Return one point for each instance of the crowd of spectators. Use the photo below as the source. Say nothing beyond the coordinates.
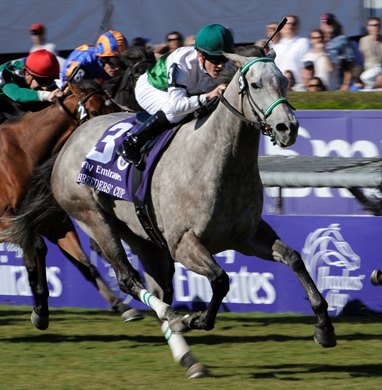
(327, 56)
(328, 60)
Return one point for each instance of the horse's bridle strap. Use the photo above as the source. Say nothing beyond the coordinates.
(262, 125)
(233, 109)
(83, 101)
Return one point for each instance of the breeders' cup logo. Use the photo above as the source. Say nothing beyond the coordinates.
(332, 264)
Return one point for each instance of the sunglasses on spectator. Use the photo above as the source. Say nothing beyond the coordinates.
(315, 86)
(373, 24)
(316, 37)
(216, 60)
(36, 32)
(173, 39)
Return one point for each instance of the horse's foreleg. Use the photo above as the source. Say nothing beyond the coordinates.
(159, 273)
(195, 256)
(182, 354)
(34, 259)
(269, 246)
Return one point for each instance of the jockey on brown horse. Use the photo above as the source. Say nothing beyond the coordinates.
(28, 84)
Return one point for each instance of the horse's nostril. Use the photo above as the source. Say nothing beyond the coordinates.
(281, 127)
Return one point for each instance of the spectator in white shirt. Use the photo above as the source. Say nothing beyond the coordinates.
(323, 68)
(291, 48)
(370, 46)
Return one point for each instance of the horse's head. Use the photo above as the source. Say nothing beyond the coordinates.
(87, 99)
(84, 101)
(262, 90)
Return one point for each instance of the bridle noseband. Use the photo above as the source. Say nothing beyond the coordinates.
(81, 107)
(261, 123)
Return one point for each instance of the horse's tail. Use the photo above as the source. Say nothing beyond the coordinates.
(37, 208)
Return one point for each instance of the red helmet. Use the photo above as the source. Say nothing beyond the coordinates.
(43, 64)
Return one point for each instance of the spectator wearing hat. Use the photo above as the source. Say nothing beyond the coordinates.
(370, 46)
(291, 48)
(38, 36)
(339, 50)
(317, 55)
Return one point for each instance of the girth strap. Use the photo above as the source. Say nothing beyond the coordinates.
(145, 213)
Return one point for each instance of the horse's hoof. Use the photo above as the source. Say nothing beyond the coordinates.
(326, 339)
(177, 324)
(132, 315)
(197, 370)
(39, 322)
(198, 321)
(376, 278)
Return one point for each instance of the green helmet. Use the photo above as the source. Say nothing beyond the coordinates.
(214, 39)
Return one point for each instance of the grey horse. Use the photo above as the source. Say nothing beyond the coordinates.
(207, 197)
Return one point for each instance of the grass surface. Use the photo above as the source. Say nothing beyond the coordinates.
(91, 349)
(336, 100)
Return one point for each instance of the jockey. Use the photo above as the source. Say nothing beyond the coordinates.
(178, 84)
(99, 62)
(29, 80)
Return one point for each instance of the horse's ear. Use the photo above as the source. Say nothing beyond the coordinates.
(271, 54)
(237, 59)
(74, 88)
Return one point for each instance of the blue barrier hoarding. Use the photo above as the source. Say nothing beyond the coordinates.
(324, 133)
(340, 252)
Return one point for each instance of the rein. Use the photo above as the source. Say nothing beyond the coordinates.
(81, 107)
(261, 123)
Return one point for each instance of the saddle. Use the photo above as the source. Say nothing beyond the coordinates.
(105, 171)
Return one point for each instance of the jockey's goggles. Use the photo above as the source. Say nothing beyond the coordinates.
(216, 60)
(44, 82)
(113, 62)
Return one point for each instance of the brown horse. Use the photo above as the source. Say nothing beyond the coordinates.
(25, 143)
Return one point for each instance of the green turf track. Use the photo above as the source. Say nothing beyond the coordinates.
(92, 349)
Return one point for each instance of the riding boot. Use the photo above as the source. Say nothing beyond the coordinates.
(130, 149)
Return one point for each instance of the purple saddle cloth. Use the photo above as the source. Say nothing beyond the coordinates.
(103, 170)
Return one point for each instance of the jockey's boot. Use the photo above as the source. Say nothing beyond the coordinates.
(130, 149)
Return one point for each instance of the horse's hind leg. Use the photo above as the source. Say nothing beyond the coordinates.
(70, 245)
(268, 246)
(34, 260)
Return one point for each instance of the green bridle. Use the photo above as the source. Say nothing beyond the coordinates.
(256, 110)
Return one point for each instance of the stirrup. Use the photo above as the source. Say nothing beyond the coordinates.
(131, 153)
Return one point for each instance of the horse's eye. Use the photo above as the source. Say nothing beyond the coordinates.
(255, 86)
(94, 113)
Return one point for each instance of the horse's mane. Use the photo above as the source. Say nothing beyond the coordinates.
(135, 54)
(228, 72)
(89, 84)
